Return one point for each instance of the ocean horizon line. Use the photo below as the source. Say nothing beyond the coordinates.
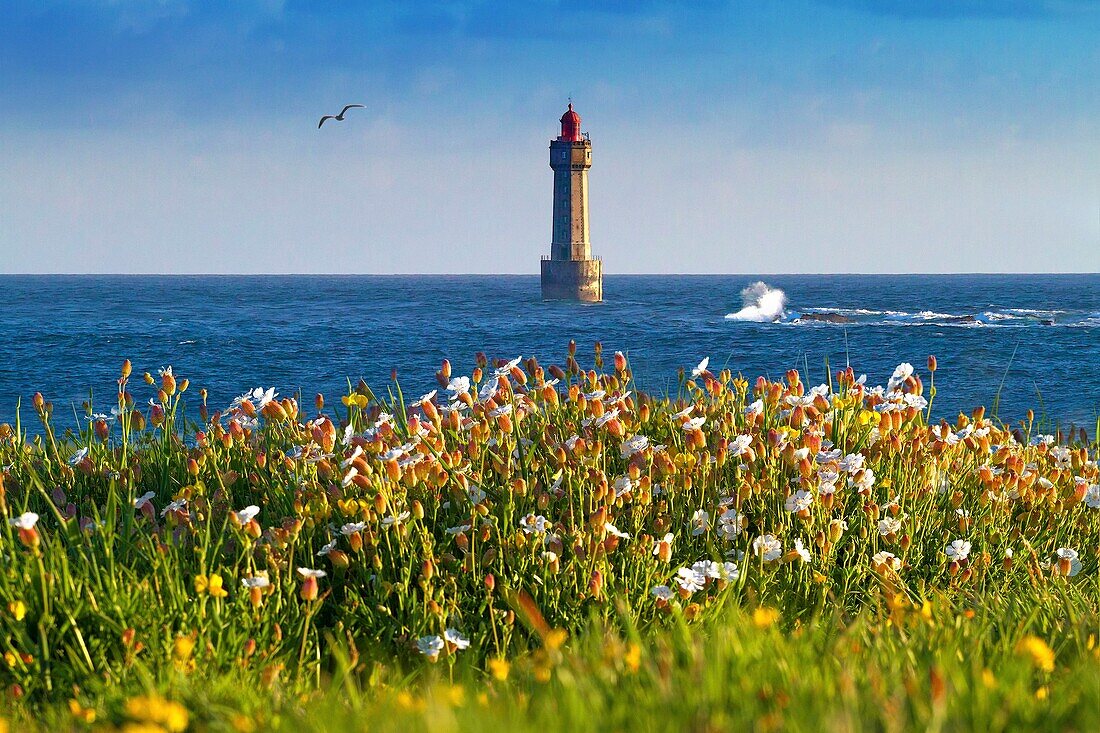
(535, 274)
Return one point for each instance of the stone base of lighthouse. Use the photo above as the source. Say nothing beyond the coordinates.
(572, 280)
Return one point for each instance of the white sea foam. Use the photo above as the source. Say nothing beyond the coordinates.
(761, 304)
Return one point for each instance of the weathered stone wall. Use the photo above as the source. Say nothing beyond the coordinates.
(571, 273)
(572, 280)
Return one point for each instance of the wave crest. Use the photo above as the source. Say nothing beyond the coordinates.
(760, 304)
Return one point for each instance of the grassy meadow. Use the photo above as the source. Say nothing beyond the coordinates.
(546, 549)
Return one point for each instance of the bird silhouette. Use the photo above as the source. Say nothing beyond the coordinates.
(339, 117)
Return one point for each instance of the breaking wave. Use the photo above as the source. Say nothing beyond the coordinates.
(760, 304)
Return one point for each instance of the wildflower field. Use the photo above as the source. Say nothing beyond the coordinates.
(533, 548)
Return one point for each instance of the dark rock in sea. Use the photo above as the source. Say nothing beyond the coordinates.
(823, 318)
(1047, 321)
(961, 319)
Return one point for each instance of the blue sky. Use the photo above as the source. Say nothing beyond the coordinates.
(729, 136)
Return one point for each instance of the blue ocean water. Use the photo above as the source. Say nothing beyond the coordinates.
(64, 335)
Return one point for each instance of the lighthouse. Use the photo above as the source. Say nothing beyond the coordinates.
(571, 272)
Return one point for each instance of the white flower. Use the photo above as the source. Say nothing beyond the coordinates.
(1063, 553)
(662, 593)
(455, 637)
(458, 529)
(430, 646)
(613, 530)
(903, 372)
(175, 506)
(729, 571)
(756, 408)
(623, 486)
(958, 550)
(1092, 497)
(607, 417)
(767, 547)
(740, 445)
(684, 412)
(690, 580)
(459, 385)
(311, 573)
(504, 409)
(256, 581)
(701, 367)
(427, 397)
(246, 515)
(666, 540)
(24, 521)
(630, 446)
(533, 523)
(852, 462)
(327, 549)
(144, 499)
(507, 368)
(886, 559)
(694, 423)
(78, 456)
(352, 527)
(799, 501)
(476, 494)
(488, 390)
(888, 526)
(700, 522)
(358, 451)
(803, 552)
(863, 480)
(729, 524)
(391, 521)
(706, 568)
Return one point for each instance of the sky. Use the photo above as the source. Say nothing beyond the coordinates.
(729, 136)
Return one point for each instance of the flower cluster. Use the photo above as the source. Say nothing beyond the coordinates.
(510, 502)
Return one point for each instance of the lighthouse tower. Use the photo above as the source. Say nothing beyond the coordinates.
(571, 273)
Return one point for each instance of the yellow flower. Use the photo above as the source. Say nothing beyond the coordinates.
(499, 669)
(183, 647)
(456, 696)
(17, 609)
(633, 657)
(155, 709)
(211, 585)
(1037, 650)
(763, 617)
(358, 400)
(243, 724)
(555, 638)
(86, 715)
(216, 590)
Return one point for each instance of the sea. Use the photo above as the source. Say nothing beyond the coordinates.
(1013, 341)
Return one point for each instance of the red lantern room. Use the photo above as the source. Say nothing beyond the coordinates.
(570, 126)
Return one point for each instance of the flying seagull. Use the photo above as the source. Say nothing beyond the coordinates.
(339, 117)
